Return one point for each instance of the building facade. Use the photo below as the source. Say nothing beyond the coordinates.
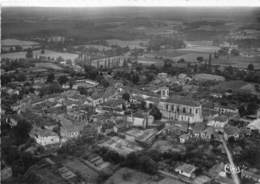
(179, 108)
(105, 62)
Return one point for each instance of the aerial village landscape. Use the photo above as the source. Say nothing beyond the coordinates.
(130, 96)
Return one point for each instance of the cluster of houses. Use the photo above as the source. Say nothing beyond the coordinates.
(58, 118)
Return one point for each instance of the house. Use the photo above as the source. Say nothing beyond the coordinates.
(183, 79)
(56, 39)
(162, 76)
(254, 125)
(84, 83)
(197, 129)
(226, 110)
(103, 62)
(179, 108)
(184, 138)
(69, 128)
(44, 137)
(114, 105)
(107, 127)
(101, 95)
(231, 131)
(140, 119)
(252, 174)
(218, 122)
(186, 170)
(208, 133)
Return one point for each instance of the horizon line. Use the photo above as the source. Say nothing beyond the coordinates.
(129, 6)
(130, 3)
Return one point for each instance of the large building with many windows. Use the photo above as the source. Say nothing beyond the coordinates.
(103, 62)
(179, 108)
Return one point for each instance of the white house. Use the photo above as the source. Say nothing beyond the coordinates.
(184, 138)
(218, 122)
(44, 137)
(140, 120)
(186, 170)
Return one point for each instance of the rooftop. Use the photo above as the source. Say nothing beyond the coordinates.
(181, 100)
(187, 168)
(221, 118)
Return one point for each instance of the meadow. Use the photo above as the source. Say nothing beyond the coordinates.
(37, 53)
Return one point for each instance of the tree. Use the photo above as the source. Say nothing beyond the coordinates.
(234, 52)
(252, 108)
(200, 59)
(43, 50)
(22, 130)
(5, 79)
(139, 67)
(20, 77)
(50, 89)
(63, 79)
(91, 72)
(126, 97)
(50, 78)
(250, 67)
(242, 111)
(181, 60)
(29, 53)
(135, 78)
(148, 165)
(155, 112)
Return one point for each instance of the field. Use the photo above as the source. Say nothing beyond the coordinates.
(48, 66)
(191, 57)
(98, 47)
(149, 61)
(238, 61)
(236, 86)
(131, 44)
(12, 42)
(37, 53)
(191, 54)
(200, 46)
(206, 49)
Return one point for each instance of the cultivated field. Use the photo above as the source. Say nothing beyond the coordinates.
(237, 61)
(37, 53)
(15, 42)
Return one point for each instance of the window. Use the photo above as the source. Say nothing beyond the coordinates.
(184, 110)
(166, 107)
(197, 111)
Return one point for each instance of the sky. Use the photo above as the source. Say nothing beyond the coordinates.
(141, 3)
